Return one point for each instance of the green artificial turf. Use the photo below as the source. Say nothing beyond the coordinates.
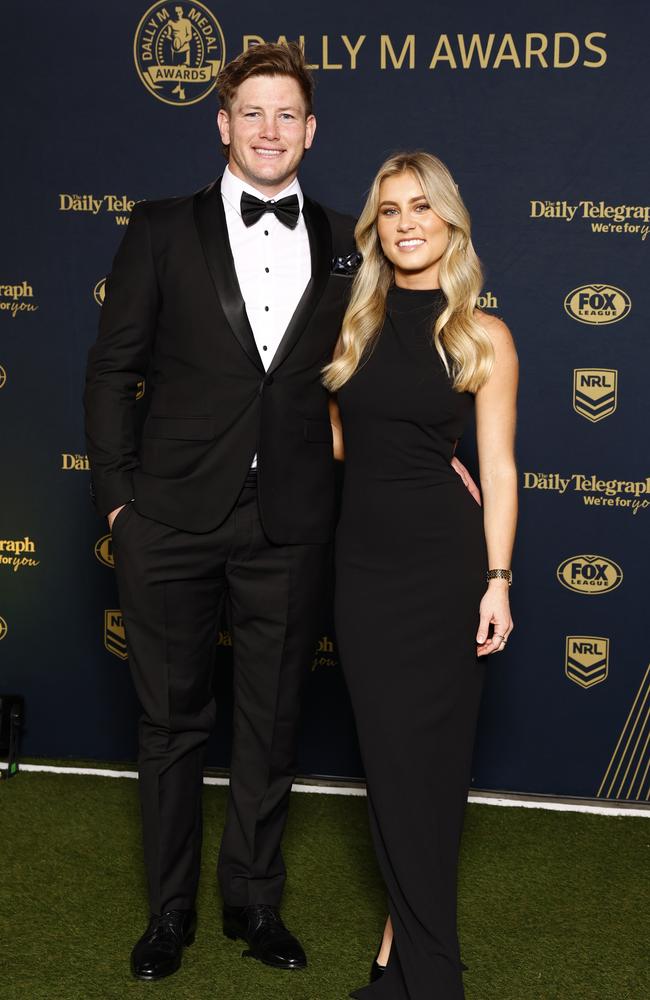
(553, 906)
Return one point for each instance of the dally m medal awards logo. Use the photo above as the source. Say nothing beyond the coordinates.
(179, 49)
(594, 392)
(4, 628)
(598, 305)
(3, 377)
(589, 574)
(587, 659)
(114, 634)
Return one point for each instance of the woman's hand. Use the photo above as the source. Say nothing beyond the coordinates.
(494, 611)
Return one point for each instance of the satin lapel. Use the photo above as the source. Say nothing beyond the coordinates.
(210, 220)
(320, 245)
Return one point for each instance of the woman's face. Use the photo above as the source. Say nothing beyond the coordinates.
(412, 236)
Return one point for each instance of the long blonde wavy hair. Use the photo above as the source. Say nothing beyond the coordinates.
(460, 340)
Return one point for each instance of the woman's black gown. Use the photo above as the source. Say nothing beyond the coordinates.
(411, 564)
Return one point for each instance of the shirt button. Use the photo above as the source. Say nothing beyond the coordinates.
(266, 232)
(266, 269)
(264, 347)
(266, 308)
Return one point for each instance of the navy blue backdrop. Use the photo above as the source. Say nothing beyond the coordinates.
(539, 110)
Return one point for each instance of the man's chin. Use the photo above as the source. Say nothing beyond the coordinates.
(274, 175)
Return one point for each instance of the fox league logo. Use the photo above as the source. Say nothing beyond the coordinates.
(589, 574)
(597, 305)
(104, 551)
(179, 50)
(99, 292)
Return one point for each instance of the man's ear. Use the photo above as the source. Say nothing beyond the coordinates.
(310, 130)
(223, 124)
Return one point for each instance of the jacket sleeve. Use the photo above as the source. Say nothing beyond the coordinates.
(117, 361)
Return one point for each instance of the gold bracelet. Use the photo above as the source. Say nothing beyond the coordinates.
(500, 574)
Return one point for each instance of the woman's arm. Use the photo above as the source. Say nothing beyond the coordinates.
(337, 429)
(495, 435)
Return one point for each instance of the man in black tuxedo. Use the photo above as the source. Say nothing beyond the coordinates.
(228, 303)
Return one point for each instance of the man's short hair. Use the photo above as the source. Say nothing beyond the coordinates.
(269, 59)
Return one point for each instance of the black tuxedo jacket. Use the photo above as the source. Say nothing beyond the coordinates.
(174, 315)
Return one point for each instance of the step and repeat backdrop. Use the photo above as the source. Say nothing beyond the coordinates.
(540, 112)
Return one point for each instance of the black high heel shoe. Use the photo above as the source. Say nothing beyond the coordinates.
(377, 970)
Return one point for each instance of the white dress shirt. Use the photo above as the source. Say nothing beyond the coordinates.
(272, 262)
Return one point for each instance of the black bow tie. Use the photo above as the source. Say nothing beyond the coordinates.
(287, 210)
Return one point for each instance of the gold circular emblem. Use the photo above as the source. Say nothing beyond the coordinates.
(99, 291)
(104, 551)
(4, 628)
(590, 574)
(598, 305)
(3, 377)
(179, 49)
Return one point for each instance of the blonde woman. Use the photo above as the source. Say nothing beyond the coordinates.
(422, 571)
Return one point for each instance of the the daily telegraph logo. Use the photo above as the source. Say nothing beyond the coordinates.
(179, 50)
(74, 462)
(325, 653)
(117, 205)
(595, 392)
(632, 495)
(114, 633)
(586, 660)
(104, 551)
(601, 217)
(18, 553)
(487, 300)
(590, 574)
(17, 298)
(597, 305)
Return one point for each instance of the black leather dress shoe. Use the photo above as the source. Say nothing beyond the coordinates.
(268, 939)
(159, 951)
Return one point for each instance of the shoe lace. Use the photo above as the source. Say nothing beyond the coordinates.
(169, 923)
(263, 913)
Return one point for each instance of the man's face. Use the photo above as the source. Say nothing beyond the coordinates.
(267, 132)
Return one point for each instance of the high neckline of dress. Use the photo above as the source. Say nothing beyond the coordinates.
(406, 299)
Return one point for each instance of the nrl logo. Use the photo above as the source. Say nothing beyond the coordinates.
(114, 634)
(587, 659)
(595, 392)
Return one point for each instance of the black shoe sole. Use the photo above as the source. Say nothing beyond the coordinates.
(235, 935)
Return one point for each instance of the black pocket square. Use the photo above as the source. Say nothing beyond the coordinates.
(347, 265)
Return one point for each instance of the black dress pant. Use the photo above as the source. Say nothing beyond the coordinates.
(172, 585)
